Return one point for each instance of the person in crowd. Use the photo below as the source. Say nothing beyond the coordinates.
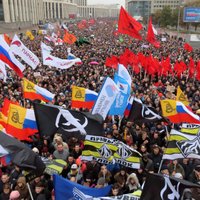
(132, 183)
(174, 167)
(22, 188)
(6, 192)
(60, 152)
(105, 174)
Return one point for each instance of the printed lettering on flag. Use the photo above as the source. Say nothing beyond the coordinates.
(18, 48)
(110, 151)
(105, 98)
(58, 62)
(119, 105)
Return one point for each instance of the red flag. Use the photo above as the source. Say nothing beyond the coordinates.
(128, 25)
(187, 47)
(112, 62)
(151, 36)
(69, 38)
(91, 21)
(82, 24)
(191, 68)
(126, 58)
(198, 71)
(166, 67)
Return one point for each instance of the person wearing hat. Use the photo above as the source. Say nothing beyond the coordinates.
(75, 171)
(14, 195)
(164, 170)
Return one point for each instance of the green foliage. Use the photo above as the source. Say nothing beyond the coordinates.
(166, 16)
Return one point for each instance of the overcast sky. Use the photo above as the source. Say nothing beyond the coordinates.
(122, 2)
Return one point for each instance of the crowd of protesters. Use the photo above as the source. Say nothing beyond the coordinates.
(149, 139)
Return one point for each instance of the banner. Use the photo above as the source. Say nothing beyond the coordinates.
(18, 48)
(58, 62)
(110, 151)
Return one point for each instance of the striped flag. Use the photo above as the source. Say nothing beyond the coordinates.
(182, 145)
(110, 151)
(33, 91)
(83, 98)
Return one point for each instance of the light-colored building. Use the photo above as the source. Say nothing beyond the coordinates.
(34, 11)
(59, 9)
(160, 4)
(21, 11)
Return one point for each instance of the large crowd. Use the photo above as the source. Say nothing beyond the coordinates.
(149, 139)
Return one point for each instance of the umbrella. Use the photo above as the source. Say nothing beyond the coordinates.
(94, 63)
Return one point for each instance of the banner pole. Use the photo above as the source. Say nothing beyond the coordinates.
(160, 166)
(29, 189)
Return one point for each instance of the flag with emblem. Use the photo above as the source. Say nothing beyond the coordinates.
(65, 189)
(166, 187)
(83, 98)
(128, 25)
(182, 145)
(177, 112)
(33, 91)
(21, 122)
(106, 97)
(140, 113)
(54, 119)
(119, 105)
(110, 151)
(180, 96)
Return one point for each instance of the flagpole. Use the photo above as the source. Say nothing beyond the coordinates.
(160, 166)
(29, 189)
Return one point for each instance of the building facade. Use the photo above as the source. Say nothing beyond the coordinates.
(22, 11)
(34, 11)
(144, 7)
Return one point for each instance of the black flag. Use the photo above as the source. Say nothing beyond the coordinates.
(51, 119)
(142, 113)
(162, 187)
(21, 155)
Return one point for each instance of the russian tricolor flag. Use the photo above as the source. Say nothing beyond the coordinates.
(185, 115)
(128, 108)
(33, 92)
(9, 59)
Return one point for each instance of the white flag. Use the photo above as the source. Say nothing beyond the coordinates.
(18, 48)
(3, 74)
(154, 30)
(106, 98)
(58, 62)
(44, 47)
(123, 73)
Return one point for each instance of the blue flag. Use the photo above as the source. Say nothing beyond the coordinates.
(121, 101)
(65, 189)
